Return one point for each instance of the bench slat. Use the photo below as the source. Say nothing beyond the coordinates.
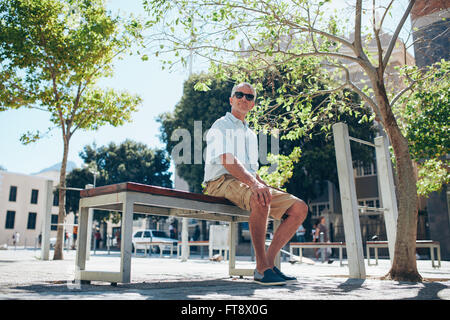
(417, 242)
(318, 243)
(143, 188)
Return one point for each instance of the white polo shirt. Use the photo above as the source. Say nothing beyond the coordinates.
(228, 134)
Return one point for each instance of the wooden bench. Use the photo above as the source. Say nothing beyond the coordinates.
(129, 198)
(419, 244)
(191, 243)
(304, 245)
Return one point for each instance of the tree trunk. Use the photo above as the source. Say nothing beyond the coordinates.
(58, 253)
(404, 266)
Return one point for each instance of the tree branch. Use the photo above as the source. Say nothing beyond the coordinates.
(351, 85)
(376, 32)
(385, 13)
(410, 86)
(358, 40)
(396, 33)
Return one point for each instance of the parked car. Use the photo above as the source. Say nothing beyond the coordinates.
(140, 237)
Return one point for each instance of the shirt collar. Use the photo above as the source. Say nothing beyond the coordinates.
(230, 116)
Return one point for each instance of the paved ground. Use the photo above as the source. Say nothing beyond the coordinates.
(24, 276)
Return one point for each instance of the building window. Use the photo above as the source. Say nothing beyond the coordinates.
(55, 199)
(10, 217)
(317, 208)
(31, 220)
(371, 203)
(12, 193)
(366, 170)
(34, 196)
(54, 225)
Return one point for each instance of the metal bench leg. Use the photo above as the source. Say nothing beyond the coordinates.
(432, 256)
(438, 248)
(127, 229)
(232, 241)
(276, 224)
(82, 240)
(232, 247)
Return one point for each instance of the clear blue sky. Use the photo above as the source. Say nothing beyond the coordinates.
(160, 90)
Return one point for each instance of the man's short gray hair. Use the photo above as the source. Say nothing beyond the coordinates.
(243, 84)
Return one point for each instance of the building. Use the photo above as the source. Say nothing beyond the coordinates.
(22, 206)
(431, 25)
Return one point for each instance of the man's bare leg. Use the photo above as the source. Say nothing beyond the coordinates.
(296, 215)
(258, 228)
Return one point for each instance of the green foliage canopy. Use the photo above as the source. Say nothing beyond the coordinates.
(424, 117)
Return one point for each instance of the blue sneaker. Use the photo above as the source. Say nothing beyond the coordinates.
(269, 278)
(283, 276)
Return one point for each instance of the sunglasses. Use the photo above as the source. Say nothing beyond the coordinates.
(248, 96)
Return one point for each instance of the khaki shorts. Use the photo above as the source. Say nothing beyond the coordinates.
(239, 193)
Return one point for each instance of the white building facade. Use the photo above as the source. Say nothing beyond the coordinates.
(23, 206)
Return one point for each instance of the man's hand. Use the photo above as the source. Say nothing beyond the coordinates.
(257, 186)
(262, 193)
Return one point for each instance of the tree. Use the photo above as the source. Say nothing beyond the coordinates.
(128, 162)
(275, 32)
(52, 54)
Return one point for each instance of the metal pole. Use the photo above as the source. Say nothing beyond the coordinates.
(387, 188)
(184, 239)
(45, 240)
(350, 215)
(89, 227)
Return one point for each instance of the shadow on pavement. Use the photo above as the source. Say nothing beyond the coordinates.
(174, 290)
(429, 291)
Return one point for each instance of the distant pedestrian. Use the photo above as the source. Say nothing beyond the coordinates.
(172, 231)
(16, 238)
(75, 232)
(118, 238)
(301, 233)
(321, 235)
(98, 239)
(196, 233)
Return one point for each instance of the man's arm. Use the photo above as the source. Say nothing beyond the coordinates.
(237, 170)
(261, 180)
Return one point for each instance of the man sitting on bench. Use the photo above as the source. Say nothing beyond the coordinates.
(230, 171)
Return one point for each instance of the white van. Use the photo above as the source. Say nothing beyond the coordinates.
(140, 237)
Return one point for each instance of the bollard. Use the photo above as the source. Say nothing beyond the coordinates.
(323, 250)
